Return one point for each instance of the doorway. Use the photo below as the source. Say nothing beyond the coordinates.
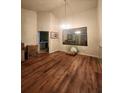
(43, 41)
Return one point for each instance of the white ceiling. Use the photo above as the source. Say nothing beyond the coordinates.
(41, 5)
(75, 7)
(57, 6)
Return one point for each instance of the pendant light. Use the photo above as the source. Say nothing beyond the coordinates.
(65, 25)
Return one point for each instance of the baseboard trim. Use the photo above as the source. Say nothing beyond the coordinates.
(78, 53)
(53, 51)
(86, 54)
(89, 55)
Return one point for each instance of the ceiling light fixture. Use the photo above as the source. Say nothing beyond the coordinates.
(65, 25)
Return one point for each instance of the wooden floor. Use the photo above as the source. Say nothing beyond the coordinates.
(61, 73)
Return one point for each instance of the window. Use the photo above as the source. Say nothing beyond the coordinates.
(75, 36)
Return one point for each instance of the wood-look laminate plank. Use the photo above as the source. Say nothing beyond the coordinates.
(38, 63)
(47, 76)
(61, 73)
(39, 71)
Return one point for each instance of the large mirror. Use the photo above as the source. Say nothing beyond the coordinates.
(75, 36)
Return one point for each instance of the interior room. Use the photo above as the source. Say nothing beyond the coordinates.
(43, 41)
(61, 46)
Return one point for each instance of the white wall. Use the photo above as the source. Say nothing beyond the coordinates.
(99, 11)
(32, 22)
(48, 22)
(89, 19)
(54, 43)
(28, 27)
(43, 21)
